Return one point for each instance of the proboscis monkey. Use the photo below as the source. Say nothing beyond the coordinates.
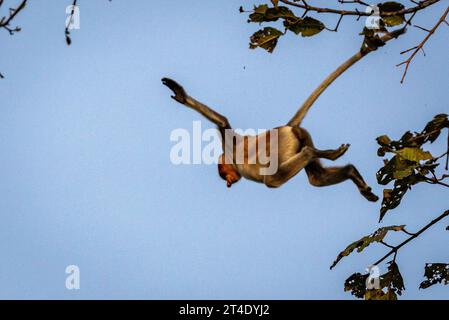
(294, 151)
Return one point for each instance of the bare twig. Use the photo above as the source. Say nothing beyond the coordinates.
(422, 28)
(338, 24)
(395, 249)
(354, 1)
(419, 47)
(386, 244)
(436, 181)
(447, 156)
(70, 21)
(406, 232)
(5, 21)
(303, 5)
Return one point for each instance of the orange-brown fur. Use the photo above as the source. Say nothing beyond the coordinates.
(294, 151)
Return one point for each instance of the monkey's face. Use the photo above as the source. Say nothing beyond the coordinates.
(228, 173)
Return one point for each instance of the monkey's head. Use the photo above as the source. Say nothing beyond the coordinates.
(227, 172)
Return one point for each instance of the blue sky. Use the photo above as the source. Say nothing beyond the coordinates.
(86, 177)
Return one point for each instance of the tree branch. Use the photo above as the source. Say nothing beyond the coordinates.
(67, 30)
(5, 21)
(421, 45)
(421, 5)
(413, 236)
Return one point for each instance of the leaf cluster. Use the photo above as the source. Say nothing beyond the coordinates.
(410, 163)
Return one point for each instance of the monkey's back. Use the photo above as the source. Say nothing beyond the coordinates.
(278, 144)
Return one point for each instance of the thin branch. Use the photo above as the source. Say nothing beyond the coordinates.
(436, 181)
(443, 155)
(422, 28)
(390, 283)
(386, 244)
(67, 30)
(408, 50)
(354, 1)
(421, 45)
(406, 232)
(447, 156)
(338, 24)
(417, 234)
(421, 5)
(5, 21)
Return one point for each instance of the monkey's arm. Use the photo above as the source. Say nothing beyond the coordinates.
(182, 97)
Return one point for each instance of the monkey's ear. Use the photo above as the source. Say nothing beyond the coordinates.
(180, 94)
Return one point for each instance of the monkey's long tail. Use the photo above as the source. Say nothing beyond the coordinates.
(301, 113)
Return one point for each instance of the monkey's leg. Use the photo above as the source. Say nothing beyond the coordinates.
(332, 154)
(320, 176)
(288, 169)
(306, 140)
(182, 97)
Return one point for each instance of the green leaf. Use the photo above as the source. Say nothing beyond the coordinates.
(307, 26)
(391, 6)
(263, 13)
(258, 14)
(434, 127)
(394, 169)
(410, 164)
(364, 242)
(414, 154)
(266, 38)
(383, 140)
(393, 279)
(435, 273)
(371, 40)
(377, 294)
(394, 20)
(391, 284)
(403, 169)
(392, 199)
(356, 284)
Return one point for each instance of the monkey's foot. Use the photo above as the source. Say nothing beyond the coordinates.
(180, 94)
(339, 152)
(369, 195)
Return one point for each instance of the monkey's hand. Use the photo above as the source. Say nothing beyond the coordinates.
(369, 195)
(179, 92)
